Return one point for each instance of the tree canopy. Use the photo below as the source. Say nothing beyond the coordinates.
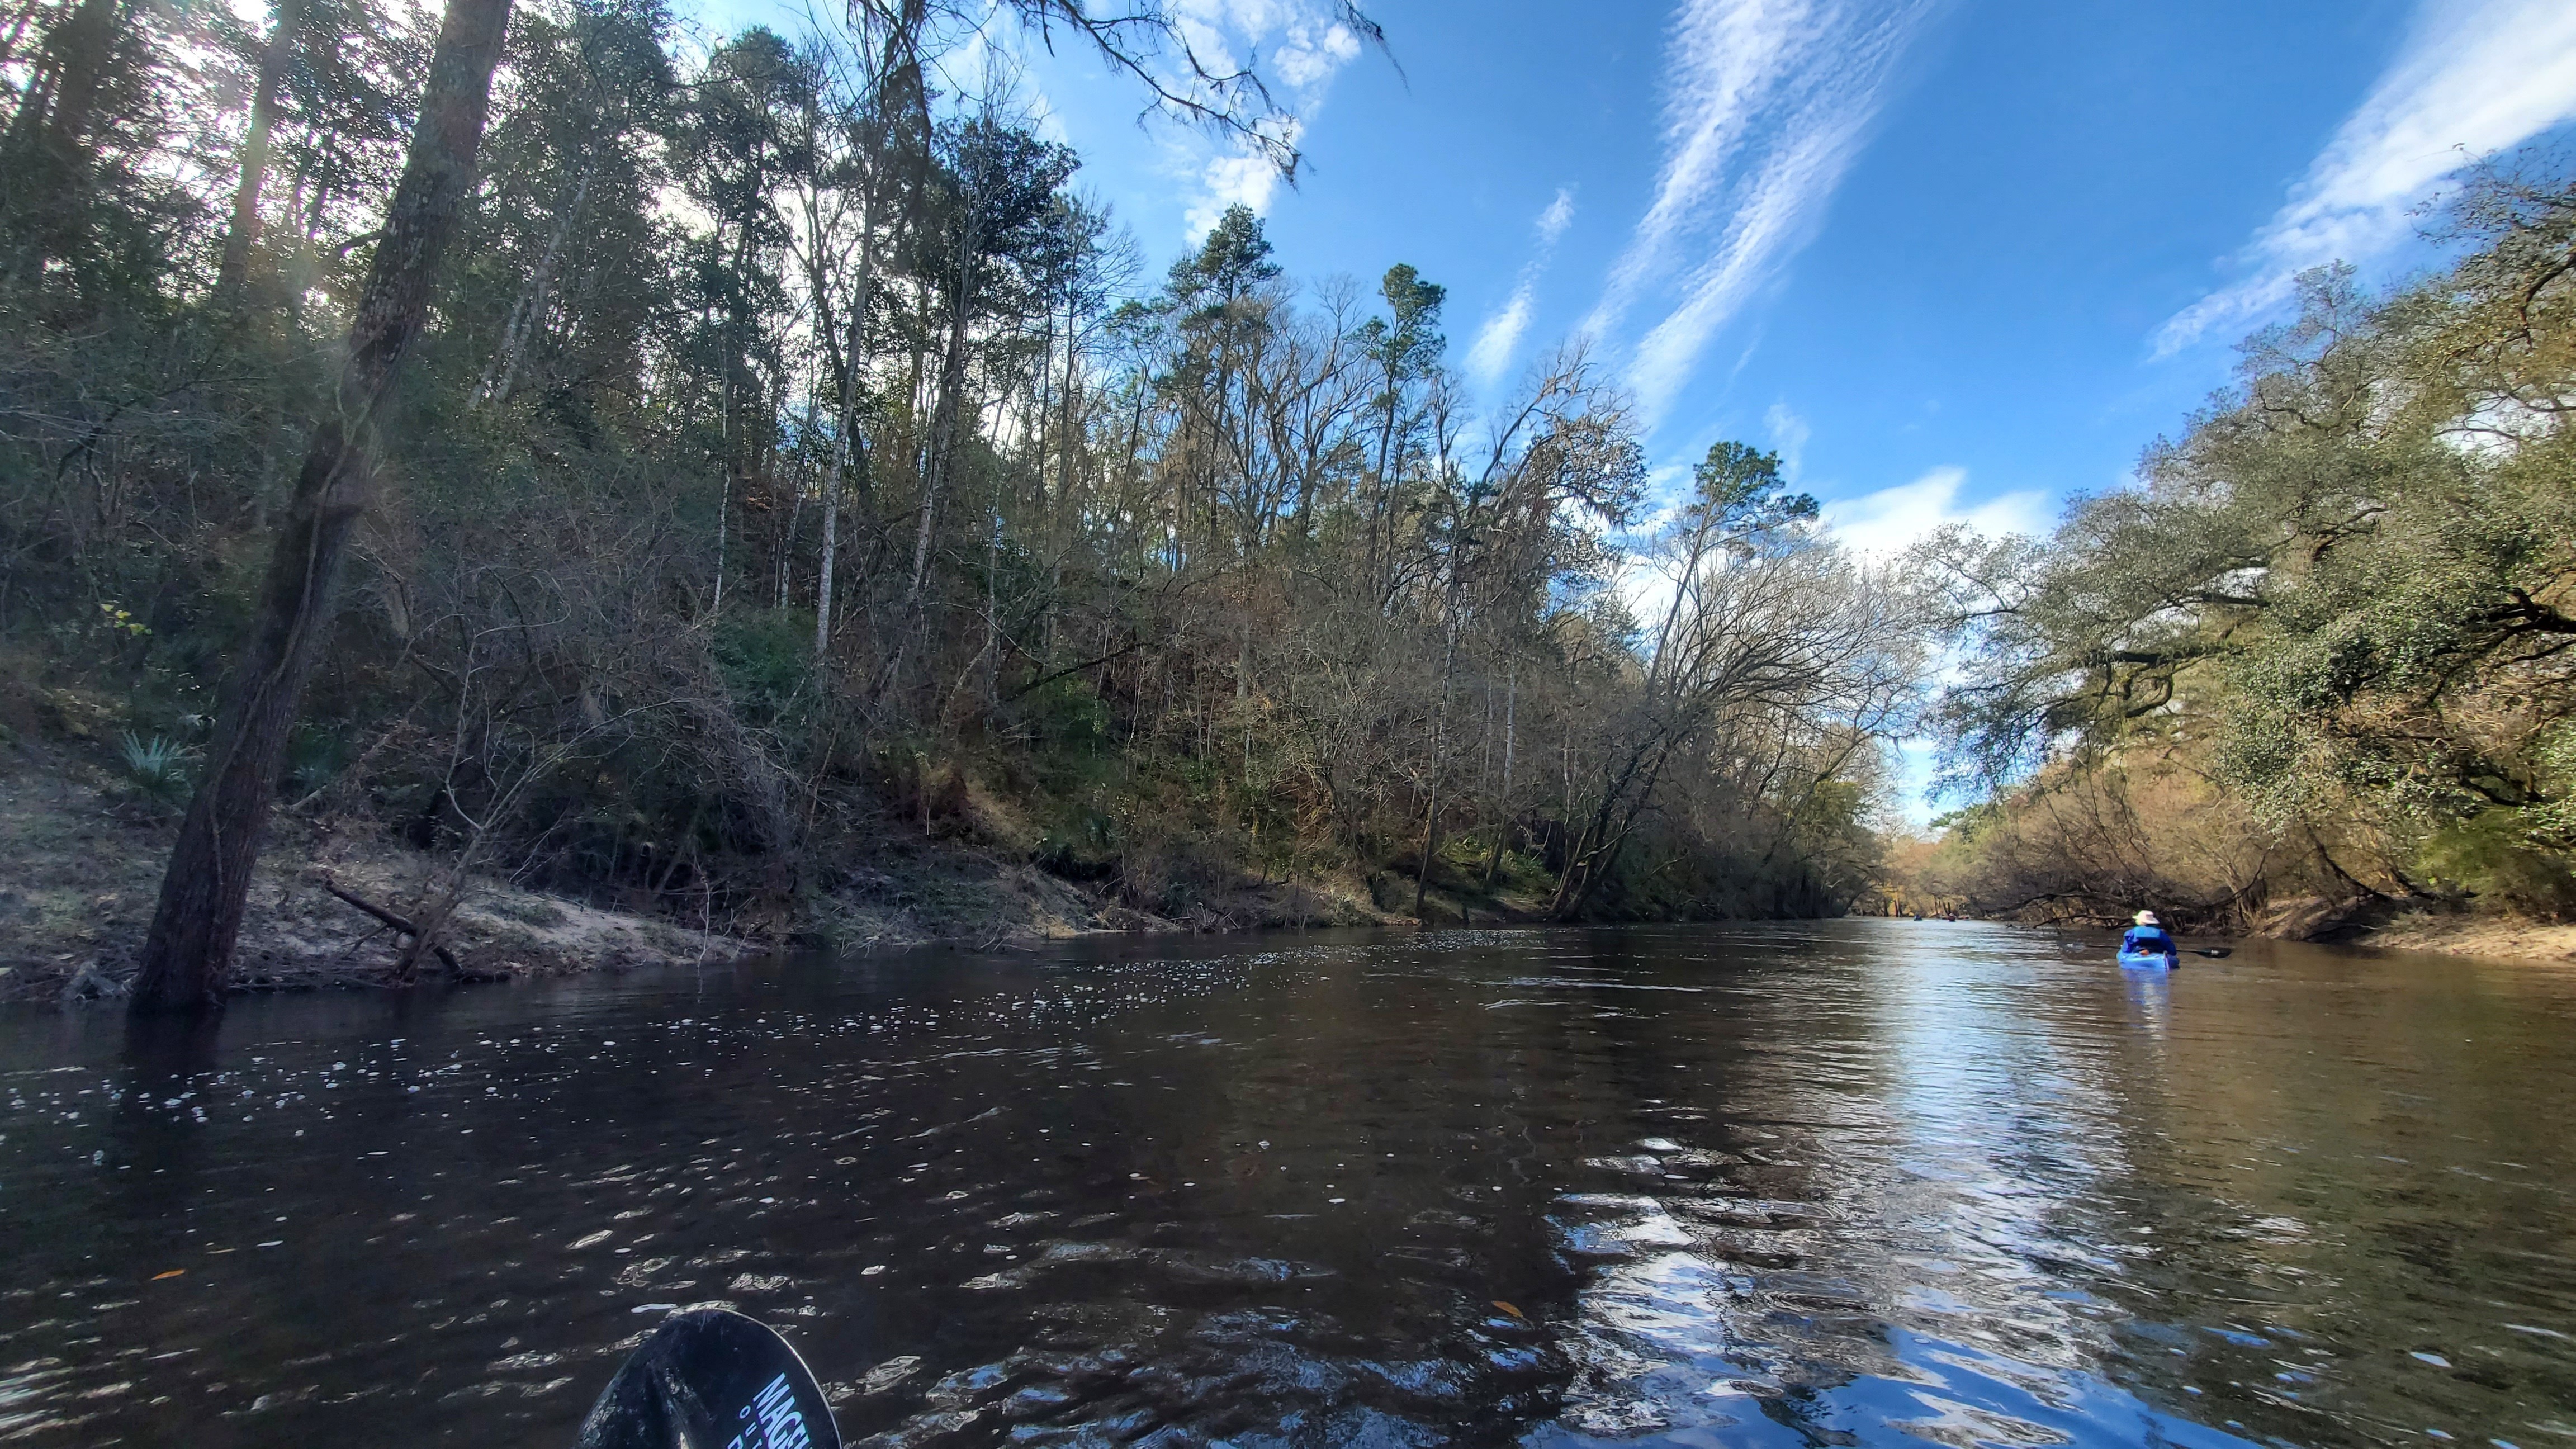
(2345, 597)
(794, 458)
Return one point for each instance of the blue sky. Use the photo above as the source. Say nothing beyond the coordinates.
(1954, 258)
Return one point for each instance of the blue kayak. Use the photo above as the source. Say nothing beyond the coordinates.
(2148, 961)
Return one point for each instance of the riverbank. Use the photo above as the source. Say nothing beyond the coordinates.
(2415, 926)
(82, 850)
(2471, 935)
(82, 864)
(953, 851)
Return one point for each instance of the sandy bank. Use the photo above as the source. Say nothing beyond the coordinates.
(81, 855)
(2410, 926)
(2470, 935)
(80, 868)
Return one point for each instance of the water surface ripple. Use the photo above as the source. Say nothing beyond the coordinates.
(1845, 1183)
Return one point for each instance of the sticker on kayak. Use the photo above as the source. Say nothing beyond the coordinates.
(711, 1379)
(777, 1423)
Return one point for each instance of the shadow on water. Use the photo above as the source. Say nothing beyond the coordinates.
(152, 1126)
(1852, 1182)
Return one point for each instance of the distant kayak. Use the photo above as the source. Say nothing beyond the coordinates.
(2148, 961)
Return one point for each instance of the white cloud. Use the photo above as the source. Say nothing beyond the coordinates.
(1768, 102)
(1891, 520)
(1724, 57)
(1558, 216)
(1308, 60)
(2475, 76)
(1502, 331)
(1789, 434)
(1300, 47)
(1883, 525)
(1230, 179)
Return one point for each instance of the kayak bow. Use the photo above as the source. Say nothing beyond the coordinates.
(710, 1379)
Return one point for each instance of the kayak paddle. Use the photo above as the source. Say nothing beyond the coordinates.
(711, 1379)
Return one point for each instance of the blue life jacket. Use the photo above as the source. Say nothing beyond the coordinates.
(2151, 939)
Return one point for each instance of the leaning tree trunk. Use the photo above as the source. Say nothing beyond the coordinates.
(208, 882)
(528, 311)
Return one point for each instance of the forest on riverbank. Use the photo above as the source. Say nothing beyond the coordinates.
(785, 475)
(749, 485)
(2317, 666)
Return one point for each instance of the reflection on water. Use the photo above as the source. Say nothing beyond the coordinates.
(1861, 1182)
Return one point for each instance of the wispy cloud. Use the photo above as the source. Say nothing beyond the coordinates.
(1767, 104)
(1558, 216)
(1789, 434)
(1301, 47)
(2474, 76)
(1501, 334)
(1891, 520)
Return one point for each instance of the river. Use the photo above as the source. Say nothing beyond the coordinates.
(1857, 1182)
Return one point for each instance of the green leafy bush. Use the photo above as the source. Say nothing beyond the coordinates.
(767, 662)
(2491, 856)
(1067, 714)
(314, 757)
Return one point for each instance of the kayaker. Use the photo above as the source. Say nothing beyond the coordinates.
(2148, 938)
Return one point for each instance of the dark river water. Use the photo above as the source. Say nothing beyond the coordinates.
(1846, 1183)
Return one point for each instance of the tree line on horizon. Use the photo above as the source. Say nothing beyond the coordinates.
(667, 472)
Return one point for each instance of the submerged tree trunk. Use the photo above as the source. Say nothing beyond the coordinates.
(207, 886)
(244, 234)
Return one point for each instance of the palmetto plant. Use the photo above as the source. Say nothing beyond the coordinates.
(159, 766)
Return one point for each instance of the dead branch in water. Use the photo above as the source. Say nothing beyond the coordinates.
(402, 926)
